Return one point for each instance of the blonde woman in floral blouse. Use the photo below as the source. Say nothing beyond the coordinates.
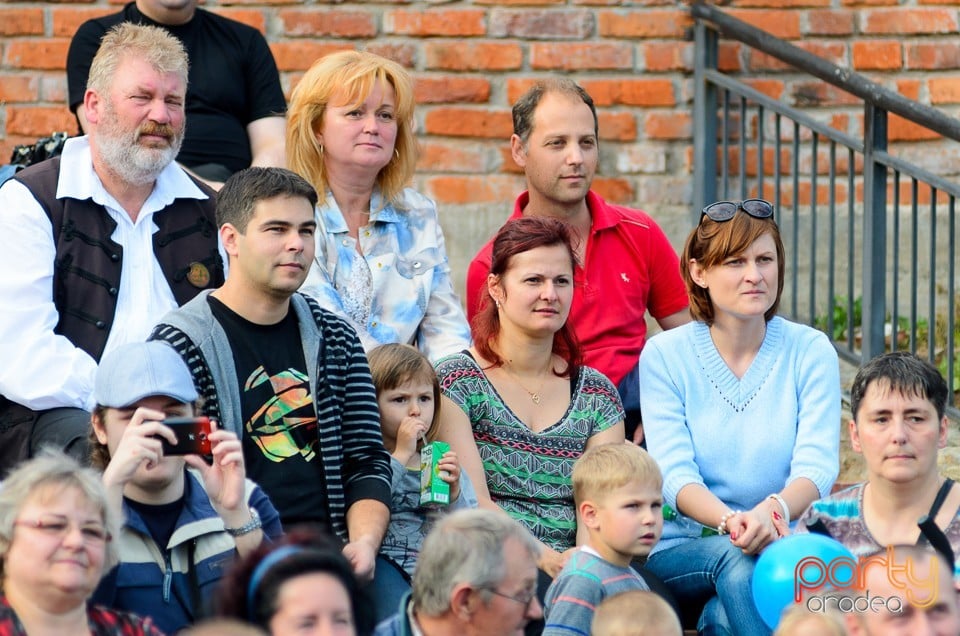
(381, 260)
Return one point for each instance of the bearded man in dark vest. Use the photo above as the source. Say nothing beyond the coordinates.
(96, 245)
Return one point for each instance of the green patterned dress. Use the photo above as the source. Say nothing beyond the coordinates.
(528, 473)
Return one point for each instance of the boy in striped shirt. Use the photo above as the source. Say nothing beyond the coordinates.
(617, 491)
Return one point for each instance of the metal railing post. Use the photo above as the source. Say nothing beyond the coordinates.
(704, 120)
(874, 232)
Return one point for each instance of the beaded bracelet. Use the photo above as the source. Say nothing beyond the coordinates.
(722, 527)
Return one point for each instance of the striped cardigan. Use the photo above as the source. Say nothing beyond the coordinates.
(356, 465)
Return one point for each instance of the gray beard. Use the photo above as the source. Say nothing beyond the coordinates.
(135, 164)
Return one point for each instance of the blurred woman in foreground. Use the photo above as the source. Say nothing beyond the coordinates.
(301, 585)
(55, 539)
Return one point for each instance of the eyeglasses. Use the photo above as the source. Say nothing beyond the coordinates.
(722, 211)
(59, 527)
(524, 598)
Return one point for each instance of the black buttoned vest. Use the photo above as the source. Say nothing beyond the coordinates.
(86, 278)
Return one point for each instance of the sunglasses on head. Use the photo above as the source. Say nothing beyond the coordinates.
(725, 210)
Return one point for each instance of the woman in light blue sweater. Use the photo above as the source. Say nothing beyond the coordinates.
(741, 409)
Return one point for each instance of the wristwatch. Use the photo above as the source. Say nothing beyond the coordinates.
(248, 527)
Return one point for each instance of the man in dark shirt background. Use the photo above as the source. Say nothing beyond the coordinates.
(234, 100)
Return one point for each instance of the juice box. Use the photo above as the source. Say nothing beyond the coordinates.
(433, 490)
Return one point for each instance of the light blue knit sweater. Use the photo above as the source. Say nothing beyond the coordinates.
(741, 438)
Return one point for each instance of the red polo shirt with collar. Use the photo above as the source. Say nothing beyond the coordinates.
(629, 268)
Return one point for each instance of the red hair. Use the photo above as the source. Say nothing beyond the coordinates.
(515, 237)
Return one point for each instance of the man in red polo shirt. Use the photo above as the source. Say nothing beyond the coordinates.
(628, 266)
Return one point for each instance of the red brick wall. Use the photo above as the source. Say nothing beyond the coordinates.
(472, 59)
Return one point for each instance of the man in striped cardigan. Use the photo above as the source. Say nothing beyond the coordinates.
(290, 378)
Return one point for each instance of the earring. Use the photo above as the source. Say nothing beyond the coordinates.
(396, 153)
(321, 151)
(496, 302)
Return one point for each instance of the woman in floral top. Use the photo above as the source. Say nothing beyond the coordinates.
(381, 261)
(520, 389)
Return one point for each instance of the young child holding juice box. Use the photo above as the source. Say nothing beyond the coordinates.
(408, 394)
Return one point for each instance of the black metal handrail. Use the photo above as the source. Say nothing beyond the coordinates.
(844, 78)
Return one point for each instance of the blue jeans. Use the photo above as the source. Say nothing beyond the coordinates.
(389, 585)
(712, 565)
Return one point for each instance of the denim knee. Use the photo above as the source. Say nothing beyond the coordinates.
(713, 620)
(734, 567)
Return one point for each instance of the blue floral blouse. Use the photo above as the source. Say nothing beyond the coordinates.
(399, 289)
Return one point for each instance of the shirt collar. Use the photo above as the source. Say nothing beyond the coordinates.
(81, 182)
(411, 617)
(382, 210)
(334, 221)
(601, 215)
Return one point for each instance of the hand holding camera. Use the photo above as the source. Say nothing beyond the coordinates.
(141, 444)
(150, 436)
(224, 476)
(215, 453)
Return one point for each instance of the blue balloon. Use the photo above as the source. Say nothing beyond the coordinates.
(776, 578)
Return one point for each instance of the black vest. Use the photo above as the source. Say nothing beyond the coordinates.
(86, 277)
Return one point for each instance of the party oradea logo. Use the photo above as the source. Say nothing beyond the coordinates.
(840, 583)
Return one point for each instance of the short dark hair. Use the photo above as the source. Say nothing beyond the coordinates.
(904, 373)
(242, 191)
(525, 107)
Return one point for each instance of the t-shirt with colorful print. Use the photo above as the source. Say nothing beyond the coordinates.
(279, 415)
(842, 515)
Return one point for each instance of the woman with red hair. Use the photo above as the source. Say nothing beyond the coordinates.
(532, 408)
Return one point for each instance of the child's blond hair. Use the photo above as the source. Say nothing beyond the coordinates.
(610, 466)
(635, 613)
(799, 620)
(393, 365)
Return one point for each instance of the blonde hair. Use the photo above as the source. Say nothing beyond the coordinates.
(352, 74)
(393, 365)
(635, 613)
(604, 468)
(797, 616)
(154, 45)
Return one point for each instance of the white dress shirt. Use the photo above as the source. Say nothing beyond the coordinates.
(38, 368)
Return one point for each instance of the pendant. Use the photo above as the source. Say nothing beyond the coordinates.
(535, 397)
